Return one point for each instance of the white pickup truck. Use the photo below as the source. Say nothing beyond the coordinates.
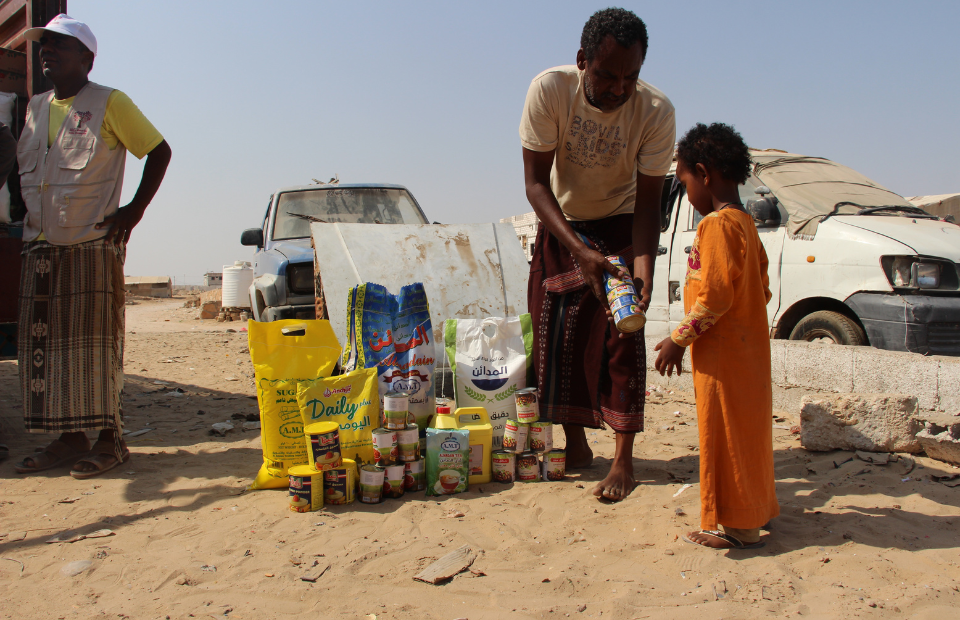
(850, 261)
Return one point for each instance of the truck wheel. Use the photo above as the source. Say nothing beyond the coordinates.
(829, 328)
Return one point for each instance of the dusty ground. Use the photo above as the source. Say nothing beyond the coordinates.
(858, 540)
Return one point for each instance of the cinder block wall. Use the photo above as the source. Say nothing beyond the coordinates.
(799, 368)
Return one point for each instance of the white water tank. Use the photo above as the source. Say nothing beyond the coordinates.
(237, 279)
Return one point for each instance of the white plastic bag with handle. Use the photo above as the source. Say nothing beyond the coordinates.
(491, 359)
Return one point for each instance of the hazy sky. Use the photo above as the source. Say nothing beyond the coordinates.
(253, 96)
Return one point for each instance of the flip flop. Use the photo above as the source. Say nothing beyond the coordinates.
(61, 451)
(735, 543)
(101, 448)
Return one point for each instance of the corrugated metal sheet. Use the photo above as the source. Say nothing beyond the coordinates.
(467, 270)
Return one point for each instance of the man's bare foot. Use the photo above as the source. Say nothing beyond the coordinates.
(579, 454)
(619, 483)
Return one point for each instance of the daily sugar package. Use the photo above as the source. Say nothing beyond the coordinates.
(283, 354)
(448, 461)
(349, 400)
(394, 334)
(491, 359)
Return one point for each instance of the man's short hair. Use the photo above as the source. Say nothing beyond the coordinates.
(717, 146)
(625, 27)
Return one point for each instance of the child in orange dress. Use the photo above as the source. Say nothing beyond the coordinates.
(725, 298)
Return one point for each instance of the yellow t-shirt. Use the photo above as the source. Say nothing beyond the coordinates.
(598, 154)
(123, 123)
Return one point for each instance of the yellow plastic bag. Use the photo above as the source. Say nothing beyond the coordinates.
(350, 400)
(284, 353)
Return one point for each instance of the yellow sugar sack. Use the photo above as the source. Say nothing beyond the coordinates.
(350, 400)
(283, 354)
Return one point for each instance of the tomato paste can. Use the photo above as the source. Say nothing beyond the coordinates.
(515, 436)
(554, 465)
(414, 476)
(541, 437)
(393, 481)
(385, 451)
(504, 466)
(340, 483)
(371, 484)
(408, 444)
(396, 408)
(528, 467)
(623, 299)
(323, 440)
(528, 409)
(306, 488)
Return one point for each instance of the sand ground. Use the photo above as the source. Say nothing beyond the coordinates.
(188, 542)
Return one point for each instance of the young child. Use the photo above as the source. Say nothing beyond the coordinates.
(725, 298)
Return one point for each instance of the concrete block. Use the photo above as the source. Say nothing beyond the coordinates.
(893, 372)
(210, 310)
(819, 366)
(869, 422)
(948, 385)
(941, 441)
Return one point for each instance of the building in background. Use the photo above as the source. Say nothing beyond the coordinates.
(526, 227)
(212, 278)
(149, 286)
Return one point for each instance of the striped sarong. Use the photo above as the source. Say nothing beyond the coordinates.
(70, 339)
(586, 374)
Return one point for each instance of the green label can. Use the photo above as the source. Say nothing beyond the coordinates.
(541, 437)
(393, 481)
(396, 409)
(408, 444)
(554, 465)
(528, 467)
(384, 447)
(414, 476)
(515, 435)
(504, 466)
(371, 484)
(528, 408)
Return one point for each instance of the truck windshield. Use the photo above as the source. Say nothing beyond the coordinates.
(363, 205)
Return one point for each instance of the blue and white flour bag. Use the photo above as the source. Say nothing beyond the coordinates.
(394, 334)
(491, 359)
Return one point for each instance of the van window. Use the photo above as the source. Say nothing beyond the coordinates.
(364, 205)
(672, 190)
(747, 192)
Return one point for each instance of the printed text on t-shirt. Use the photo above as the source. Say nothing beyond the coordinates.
(593, 144)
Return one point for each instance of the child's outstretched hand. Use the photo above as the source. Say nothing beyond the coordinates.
(671, 356)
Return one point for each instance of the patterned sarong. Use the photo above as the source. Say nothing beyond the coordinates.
(586, 374)
(70, 341)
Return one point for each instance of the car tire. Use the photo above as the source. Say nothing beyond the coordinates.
(830, 327)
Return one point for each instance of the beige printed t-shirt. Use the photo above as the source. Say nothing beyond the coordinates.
(598, 153)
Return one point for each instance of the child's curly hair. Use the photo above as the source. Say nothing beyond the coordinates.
(717, 146)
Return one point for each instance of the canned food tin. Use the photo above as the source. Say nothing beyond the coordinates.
(393, 481)
(515, 436)
(554, 465)
(371, 484)
(628, 317)
(408, 444)
(323, 439)
(306, 489)
(385, 450)
(504, 466)
(340, 483)
(414, 476)
(396, 408)
(528, 409)
(528, 467)
(541, 437)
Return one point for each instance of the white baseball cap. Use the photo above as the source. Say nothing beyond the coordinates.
(64, 24)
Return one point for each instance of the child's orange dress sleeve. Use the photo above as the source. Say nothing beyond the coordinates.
(716, 260)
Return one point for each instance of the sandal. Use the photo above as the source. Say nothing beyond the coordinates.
(100, 449)
(735, 543)
(60, 451)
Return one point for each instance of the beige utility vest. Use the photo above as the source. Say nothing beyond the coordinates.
(70, 187)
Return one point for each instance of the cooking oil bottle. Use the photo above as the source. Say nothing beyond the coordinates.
(475, 420)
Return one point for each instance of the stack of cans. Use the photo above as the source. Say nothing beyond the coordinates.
(397, 463)
(524, 440)
(328, 477)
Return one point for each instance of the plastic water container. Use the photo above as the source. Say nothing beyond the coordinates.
(477, 421)
(237, 279)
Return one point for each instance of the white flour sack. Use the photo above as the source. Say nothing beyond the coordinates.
(491, 359)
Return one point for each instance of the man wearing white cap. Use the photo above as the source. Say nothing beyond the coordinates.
(71, 154)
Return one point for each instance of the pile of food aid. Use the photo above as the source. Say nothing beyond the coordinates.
(403, 463)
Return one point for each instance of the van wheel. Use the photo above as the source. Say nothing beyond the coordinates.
(829, 328)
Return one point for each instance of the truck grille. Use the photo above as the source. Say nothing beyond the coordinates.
(944, 338)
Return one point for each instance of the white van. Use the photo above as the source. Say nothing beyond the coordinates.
(850, 261)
